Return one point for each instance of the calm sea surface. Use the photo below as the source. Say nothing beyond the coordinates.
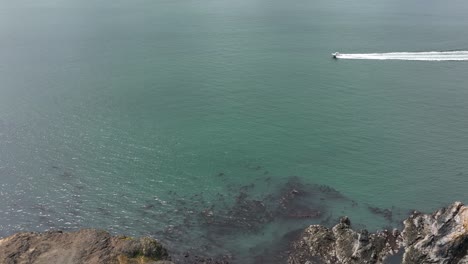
(193, 121)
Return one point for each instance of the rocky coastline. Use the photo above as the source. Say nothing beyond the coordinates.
(440, 237)
(85, 246)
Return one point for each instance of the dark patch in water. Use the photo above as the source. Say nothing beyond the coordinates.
(296, 200)
(396, 258)
(385, 213)
(330, 192)
(246, 188)
(245, 215)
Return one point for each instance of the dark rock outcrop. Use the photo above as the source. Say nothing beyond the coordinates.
(85, 246)
(441, 237)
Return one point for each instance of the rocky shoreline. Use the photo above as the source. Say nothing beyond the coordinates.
(84, 246)
(441, 237)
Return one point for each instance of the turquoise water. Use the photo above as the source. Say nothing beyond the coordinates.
(121, 115)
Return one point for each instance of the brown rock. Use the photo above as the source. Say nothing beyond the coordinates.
(85, 246)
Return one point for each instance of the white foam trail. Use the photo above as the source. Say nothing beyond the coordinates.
(410, 56)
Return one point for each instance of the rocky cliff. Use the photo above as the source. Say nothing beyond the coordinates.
(85, 246)
(441, 237)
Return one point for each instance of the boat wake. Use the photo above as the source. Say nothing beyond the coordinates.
(410, 56)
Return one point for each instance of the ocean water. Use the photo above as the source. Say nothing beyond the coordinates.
(220, 126)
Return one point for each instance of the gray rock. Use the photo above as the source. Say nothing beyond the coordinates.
(441, 237)
(438, 238)
(342, 244)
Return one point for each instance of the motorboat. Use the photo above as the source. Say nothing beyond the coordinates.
(335, 55)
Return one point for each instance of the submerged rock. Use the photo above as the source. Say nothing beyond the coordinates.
(441, 237)
(85, 246)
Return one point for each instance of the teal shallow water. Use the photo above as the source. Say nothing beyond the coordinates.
(111, 113)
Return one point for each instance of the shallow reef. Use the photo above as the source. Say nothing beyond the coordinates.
(265, 223)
